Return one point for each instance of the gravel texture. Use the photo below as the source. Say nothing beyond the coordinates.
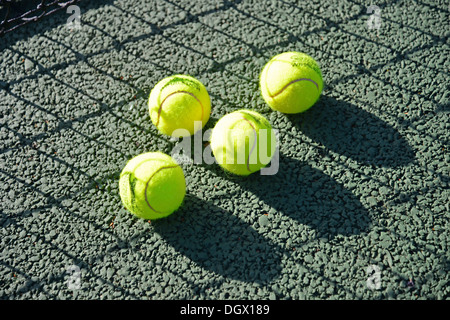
(363, 175)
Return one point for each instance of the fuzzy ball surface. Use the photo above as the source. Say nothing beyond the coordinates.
(291, 82)
(179, 105)
(152, 185)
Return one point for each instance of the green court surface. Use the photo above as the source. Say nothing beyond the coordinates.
(359, 205)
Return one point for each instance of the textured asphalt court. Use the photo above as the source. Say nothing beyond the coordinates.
(359, 208)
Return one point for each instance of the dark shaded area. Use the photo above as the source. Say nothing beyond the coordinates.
(348, 130)
(220, 242)
(311, 197)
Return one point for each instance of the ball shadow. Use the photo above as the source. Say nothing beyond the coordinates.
(220, 242)
(348, 130)
(312, 198)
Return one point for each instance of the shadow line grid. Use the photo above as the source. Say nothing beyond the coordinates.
(322, 278)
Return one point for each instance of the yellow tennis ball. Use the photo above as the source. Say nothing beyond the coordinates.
(291, 82)
(179, 105)
(152, 185)
(243, 142)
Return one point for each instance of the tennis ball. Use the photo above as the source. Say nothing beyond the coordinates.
(179, 102)
(243, 142)
(291, 82)
(152, 185)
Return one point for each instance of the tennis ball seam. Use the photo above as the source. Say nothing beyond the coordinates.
(254, 143)
(255, 134)
(177, 92)
(131, 175)
(179, 105)
(184, 80)
(148, 181)
(312, 66)
(293, 81)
